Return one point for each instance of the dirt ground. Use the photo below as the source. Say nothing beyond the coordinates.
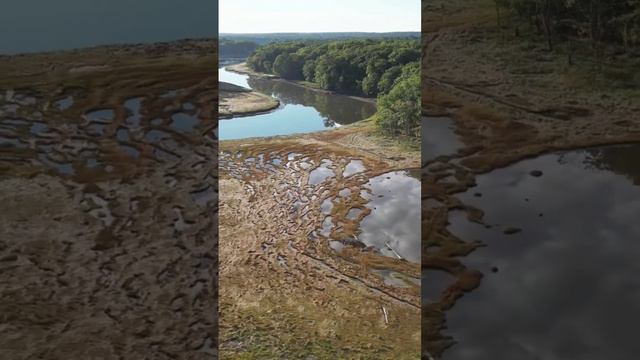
(108, 204)
(284, 293)
(509, 99)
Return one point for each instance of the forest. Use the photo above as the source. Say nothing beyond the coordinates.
(611, 26)
(262, 39)
(235, 48)
(386, 69)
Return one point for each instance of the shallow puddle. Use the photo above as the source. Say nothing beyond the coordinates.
(62, 168)
(394, 221)
(327, 226)
(354, 167)
(11, 142)
(439, 138)
(64, 104)
(183, 123)
(566, 285)
(131, 151)
(205, 196)
(353, 214)
(321, 173)
(393, 278)
(38, 128)
(134, 105)
(122, 134)
(336, 245)
(155, 135)
(326, 206)
(101, 115)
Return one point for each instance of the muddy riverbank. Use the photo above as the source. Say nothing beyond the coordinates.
(494, 114)
(108, 204)
(242, 68)
(238, 101)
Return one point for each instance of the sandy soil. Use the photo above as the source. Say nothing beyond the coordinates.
(237, 101)
(509, 100)
(107, 229)
(284, 294)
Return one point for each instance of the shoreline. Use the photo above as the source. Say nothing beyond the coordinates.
(275, 242)
(503, 116)
(242, 68)
(320, 285)
(236, 102)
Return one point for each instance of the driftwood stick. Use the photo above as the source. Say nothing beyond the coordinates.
(386, 315)
(393, 251)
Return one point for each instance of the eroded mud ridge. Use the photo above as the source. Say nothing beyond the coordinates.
(296, 262)
(108, 202)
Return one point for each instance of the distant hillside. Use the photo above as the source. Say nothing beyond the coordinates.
(277, 37)
(229, 48)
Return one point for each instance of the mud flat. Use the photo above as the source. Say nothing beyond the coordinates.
(108, 202)
(243, 68)
(297, 279)
(238, 101)
(490, 114)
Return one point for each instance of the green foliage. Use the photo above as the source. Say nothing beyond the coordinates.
(262, 39)
(399, 110)
(360, 67)
(236, 49)
(599, 22)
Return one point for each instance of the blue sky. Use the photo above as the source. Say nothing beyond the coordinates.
(260, 16)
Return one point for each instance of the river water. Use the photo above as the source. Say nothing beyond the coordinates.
(36, 25)
(301, 110)
(566, 285)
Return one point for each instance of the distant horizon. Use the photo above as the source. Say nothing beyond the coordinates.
(319, 32)
(37, 26)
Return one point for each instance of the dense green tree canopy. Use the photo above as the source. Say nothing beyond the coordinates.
(595, 21)
(386, 69)
(399, 110)
(361, 67)
(236, 49)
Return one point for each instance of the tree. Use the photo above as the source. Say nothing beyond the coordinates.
(399, 110)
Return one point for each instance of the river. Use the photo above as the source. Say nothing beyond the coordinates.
(301, 110)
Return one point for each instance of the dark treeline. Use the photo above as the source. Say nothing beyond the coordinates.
(235, 49)
(388, 69)
(613, 24)
(262, 39)
(356, 67)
